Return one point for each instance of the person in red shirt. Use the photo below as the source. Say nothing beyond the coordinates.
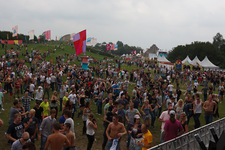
(17, 87)
(172, 128)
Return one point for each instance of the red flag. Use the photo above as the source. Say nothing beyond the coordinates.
(132, 53)
(79, 41)
(135, 52)
(107, 47)
(48, 35)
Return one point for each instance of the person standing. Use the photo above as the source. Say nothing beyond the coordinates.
(114, 133)
(91, 127)
(70, 137)
(86, 112)
(45, 106)
(54, 101)
(171, 128)
(13, 111)
(46, 128)
(57, 139)
(72, 98)
(147, 137)
(26, 101)
(31, 124)
(39, 94)
(197, 108)
(18, 144)
(15, 130)
(163, 118)
(208, 107)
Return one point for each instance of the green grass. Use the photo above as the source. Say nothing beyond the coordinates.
(81, 140)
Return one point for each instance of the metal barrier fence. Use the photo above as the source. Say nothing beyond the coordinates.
(188, 141)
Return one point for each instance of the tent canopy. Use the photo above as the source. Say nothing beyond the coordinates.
(196, 61)
(207, 64)
(187, 60)
(162, 59)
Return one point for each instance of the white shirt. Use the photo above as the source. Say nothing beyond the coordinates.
(48, 80)
(32, 87)
(90, 130)
(72, 97)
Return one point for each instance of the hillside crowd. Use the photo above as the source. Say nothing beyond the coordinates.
(63, 93)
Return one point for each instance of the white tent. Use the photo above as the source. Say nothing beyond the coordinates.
(162, 59)
(163, 62)
(207, 64)
(188, 60)
(196, 61)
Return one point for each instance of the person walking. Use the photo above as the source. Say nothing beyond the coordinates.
(91, 127)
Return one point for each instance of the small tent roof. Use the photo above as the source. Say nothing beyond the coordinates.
(207, 64)
(187, 59)
(196, 61)
(162, 59)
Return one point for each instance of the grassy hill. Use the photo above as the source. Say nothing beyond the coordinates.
(81, 140)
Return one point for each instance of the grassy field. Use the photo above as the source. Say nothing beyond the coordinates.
(81, 140)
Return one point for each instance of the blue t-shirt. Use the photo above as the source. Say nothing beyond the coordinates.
(62, 119)
(116, 90)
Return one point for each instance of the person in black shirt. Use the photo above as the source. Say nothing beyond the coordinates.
(154, 105)
(31, 124)
(38, 113)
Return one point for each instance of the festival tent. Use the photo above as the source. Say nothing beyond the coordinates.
(187, 60)
(163, 62)
(196, 61)
(208, 64)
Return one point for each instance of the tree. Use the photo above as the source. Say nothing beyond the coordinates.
(218, 40)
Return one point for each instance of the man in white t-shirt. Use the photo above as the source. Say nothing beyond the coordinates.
(31, 89)
(39, 94)
(163, 118)
(72, 98)
(170, 88)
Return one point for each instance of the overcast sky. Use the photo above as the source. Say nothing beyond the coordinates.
(166, 23)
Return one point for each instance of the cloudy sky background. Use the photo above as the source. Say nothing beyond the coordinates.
(166, 23)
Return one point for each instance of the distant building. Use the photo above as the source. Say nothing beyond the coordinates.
(162, 53)
(151, 53)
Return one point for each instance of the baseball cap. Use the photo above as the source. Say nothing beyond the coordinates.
(172, 112)
(39, 87)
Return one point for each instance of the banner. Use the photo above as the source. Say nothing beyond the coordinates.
(112, 47)
(79, 41)
(31, 34)
(15, 31)
(91, 41)
(116, 47)
(48, 35)
(107, 47)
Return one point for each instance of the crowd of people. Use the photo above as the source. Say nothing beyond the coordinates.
(61, 90)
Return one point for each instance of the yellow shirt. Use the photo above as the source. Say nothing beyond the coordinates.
(65, 99)
(147, 138)
(45, 107)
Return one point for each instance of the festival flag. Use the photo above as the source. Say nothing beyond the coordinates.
(31, 34)
(79, 41)
(135, 52)
(132, 53)
(15, 31)
(55, 38)
(48, 35)
(116, 47)
(112, 47)
(25, 38)
(107, 47)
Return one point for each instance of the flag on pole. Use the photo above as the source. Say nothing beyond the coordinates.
(135, 52)
(55, 38)
(25, 38)
(132, 53)
(116, 47)
(112, 47)
(107, 47)
(31, 34)
(79, 41)
(15, 31)
(48, 35)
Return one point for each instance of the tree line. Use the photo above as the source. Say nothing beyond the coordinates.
(215, 51)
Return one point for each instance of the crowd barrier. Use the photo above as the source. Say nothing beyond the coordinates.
(188, 142)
